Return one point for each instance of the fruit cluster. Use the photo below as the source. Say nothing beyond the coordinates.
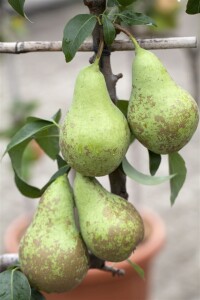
(94, 139)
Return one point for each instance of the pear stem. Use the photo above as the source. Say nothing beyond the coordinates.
(99, 52)
(122, 29)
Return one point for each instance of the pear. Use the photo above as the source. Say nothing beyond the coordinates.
(52, 254)
(95, 134)
(161, 115)
(110, 226)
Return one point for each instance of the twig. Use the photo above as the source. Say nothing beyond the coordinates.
(124, 30)
(132, 38)
(97, 263)
(100, 50)
(114, 271)
(118, 45)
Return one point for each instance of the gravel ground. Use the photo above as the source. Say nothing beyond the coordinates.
(46, 77)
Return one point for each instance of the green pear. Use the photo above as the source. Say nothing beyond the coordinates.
(95, 134)
(161, 115)
(52, 254)
(110, 226)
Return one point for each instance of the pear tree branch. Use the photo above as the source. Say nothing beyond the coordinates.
(117, 178)
(97, 8)
(114, 271)
(87, 46)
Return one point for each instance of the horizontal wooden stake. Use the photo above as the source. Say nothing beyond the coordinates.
(118, 45)
(8, 259)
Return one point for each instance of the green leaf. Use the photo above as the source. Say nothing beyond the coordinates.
(46, 133)
(75, 32)
(25, 188)
(34, 192)
(123, 106)
(132, 173)
(111, 13)
(27, 132)
(132, 18)
(60, 162)
(176, 165)
(14, 286)
(137, 268)
(108, 30)
(36, 295)
(154, 162)
(56, 117)
(16, 155)
(48, 140)
(61, 171)
(193, 7)
(18, 6)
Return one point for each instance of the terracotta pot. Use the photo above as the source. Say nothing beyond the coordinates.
(99, 285)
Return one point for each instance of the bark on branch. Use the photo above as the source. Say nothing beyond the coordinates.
(96, 8)
(87, 46)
